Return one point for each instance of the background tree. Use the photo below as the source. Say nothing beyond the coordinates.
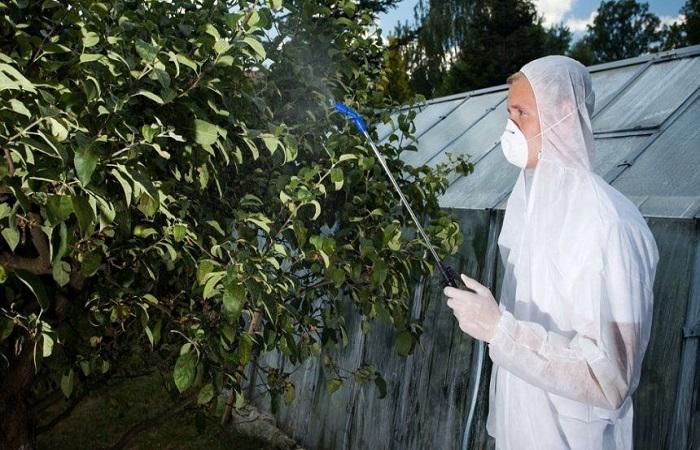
(430, 43)
(460, 45)
(684, 32)
(582, 52)
(622, 29)
(396, 84)
(502, 36)
(176, 194)
(691, 11)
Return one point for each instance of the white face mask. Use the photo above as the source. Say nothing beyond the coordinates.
(514, 145)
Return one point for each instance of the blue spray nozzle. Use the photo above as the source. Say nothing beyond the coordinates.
(352, 115)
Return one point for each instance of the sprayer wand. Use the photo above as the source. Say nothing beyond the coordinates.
(447, 272)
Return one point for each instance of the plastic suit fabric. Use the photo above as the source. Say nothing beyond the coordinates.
(576, 298)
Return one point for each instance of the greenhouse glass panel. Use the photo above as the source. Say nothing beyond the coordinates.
(607, 82)
(492, 178)
(657, 93)
(426, 117)
(476, 142)
(609, 152)
(452, 127)
(669, 167)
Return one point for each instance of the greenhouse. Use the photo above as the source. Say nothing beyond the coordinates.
(648, 147)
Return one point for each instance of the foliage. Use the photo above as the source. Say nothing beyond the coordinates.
(691, 11)
(457, 45)
(396, 86)
(176, 187)
(684, 32)
(622, 29)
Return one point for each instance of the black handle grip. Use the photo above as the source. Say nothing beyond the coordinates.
(451, 278)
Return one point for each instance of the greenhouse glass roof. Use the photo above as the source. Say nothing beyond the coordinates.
(646, 124)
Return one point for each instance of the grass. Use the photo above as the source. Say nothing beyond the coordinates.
(100, 420)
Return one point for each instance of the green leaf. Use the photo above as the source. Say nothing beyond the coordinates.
(404, 343)
(179, 232)
(206, 133)
(260, 220)
(62, 243)
(213, 280)
(347, 157)
(204, 267)
(59, 208)
(234, 294)
(221, 46)
(146, 51)
(46, 345)
(215, 225)
(245, 348)
(3, 275)
(184, 372)
(205, 394)
(91, 57)
(379, 272)
(163, 77)
(90, 263)
(5, 210)
(300, 231)
(58, 130)
(186, 61)
(61, 272)
(12, 79)
(85, 213)
(19, 107)
(333, 384)
(256, 46)
(337, 177)
(324, 256)
(6, 327)
(148, 133)
(148, 205)
(289, 393)
(126, 186)
(11, 236)
(149, 95)
(34, 283)
(67, 383)
(271, 142)
(381, 385)
(85, 161)
(317, 209)
(90, 38)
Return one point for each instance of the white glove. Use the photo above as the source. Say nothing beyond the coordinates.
(477, 314)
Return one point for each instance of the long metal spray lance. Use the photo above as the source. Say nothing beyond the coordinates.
(447, 272)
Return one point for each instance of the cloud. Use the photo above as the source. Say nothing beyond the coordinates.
(579, 25)
(669, 20)
(553, 10)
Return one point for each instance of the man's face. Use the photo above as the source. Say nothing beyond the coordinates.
(522, 109)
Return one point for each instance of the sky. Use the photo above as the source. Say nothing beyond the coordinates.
(574, 13)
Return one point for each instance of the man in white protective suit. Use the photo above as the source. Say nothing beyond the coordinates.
(575, 313)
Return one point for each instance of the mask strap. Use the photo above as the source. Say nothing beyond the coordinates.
(561, 120)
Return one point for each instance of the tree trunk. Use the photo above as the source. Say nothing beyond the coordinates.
(16, 421)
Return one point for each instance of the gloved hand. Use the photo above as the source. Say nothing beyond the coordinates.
(477, 314)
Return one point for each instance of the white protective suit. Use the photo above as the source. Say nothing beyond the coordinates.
(576, 298)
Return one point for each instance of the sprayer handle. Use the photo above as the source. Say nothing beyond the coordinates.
(452, 279)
